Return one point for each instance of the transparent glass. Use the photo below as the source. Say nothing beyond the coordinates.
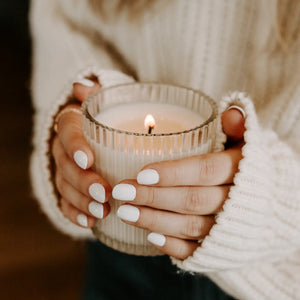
(120, 154)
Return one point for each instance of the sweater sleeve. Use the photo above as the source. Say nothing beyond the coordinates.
(61, 54)
(256, 237)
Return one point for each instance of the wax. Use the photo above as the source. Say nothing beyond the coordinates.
(168, 118)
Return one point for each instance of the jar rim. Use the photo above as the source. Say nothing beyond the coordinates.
(210, 119)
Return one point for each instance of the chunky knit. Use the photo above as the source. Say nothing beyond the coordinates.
(253, 250)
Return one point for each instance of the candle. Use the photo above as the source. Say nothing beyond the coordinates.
(114, 126)
(162, 117)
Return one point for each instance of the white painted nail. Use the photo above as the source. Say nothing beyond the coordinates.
(81, 159)
(148, 176)
(128, 213)
(96, 209)
(82, 220)
(85, 82)
(124, 192)
(238, 108)
(156, 239)
(97, 192)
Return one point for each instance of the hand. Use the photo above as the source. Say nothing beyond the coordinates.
(177, 200)
(84, 193)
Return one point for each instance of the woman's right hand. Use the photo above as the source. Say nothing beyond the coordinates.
(84, 194)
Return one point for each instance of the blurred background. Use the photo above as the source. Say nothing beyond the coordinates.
(36, 261)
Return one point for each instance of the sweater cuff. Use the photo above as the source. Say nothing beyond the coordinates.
(244, 229)
(262, 281)
(40, 167)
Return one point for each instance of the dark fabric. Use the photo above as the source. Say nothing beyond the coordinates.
(114, 275)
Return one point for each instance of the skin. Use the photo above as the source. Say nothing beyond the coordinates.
(180, 206)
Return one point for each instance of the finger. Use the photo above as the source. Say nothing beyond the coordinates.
(80, 201)
(86, 182)
(178, 248)
(76, 216)
(202, 170)
(233, 123)
(185, 200)
(177, 225)
(70, 134)
(85, 87)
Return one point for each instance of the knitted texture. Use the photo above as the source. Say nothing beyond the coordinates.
(252, 251)
(253, 228)
(43, 185)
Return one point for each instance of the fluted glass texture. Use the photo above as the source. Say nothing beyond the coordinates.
(120, 155)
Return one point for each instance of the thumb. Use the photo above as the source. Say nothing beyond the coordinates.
(233, 123)
(85, 87)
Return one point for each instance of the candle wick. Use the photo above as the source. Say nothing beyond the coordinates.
(150, 128)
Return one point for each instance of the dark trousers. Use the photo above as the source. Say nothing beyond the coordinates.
(114, 275)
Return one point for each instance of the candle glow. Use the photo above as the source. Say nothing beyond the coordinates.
(149, 123)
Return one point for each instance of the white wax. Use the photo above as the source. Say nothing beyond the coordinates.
(168, 118)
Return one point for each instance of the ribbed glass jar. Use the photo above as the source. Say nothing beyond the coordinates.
(120, 154)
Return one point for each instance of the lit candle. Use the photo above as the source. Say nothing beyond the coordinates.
(149, 123)
(124, 140)
(139, 116)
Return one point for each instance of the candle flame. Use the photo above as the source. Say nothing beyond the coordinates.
(149, 121)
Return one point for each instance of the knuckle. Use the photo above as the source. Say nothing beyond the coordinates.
(192, 201)
(193, 228)
(151, 196)
(207, 167)
(75, 128)
(151, 223)
(181, 252)
(78, 140)
(61, 162)
(176, 174)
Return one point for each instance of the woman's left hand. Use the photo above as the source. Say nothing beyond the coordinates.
(177, 200)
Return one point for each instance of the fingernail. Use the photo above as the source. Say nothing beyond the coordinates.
(148, 176)
(96, 209)
(81, 159)
(238, 108)
(97, 192)
(82, 220)
(124, 192)
(156, 239)
(128, 213)
(85, 82)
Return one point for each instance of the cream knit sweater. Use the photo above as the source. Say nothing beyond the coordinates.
(253, 251)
